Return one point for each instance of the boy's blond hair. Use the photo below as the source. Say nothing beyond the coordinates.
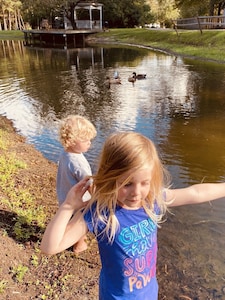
(75, 128)
(122, 153)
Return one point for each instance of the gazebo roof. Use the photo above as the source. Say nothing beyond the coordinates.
(88, 5)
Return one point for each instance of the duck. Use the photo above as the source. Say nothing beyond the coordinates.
(116, 75)
(115, 81)
(132, 78)
(139, 76)
(110, 81)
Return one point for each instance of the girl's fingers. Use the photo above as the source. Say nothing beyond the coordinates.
(78, 190)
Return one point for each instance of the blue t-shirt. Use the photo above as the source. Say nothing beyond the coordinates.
(129, 263)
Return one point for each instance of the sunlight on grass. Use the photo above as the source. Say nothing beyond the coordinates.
(3, 141)
(18, 199)
(11, 35)
(3, 284)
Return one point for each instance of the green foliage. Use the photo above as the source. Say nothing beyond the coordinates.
(8, 165)
(34, 260)
(118, 13)
(3, 284)
(11, 35)
(3, 142)
(126, 13)
(19, 272)
(167, 12)
(35, 11)
(193, 8)
(17, 199)
(9, 11)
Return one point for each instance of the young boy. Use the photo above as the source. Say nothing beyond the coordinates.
(75, 133)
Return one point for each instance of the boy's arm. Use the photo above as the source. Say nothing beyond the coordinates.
(195, 194)
(62, 231)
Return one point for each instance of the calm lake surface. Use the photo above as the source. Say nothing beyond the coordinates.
(180, 106)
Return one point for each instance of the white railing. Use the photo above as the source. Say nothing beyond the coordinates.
(202, 22)
(87, 24)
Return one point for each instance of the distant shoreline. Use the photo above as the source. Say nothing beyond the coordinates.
(208, 46)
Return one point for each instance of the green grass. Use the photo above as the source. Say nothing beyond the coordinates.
(11, 35)
(209, 45)
(17, 199)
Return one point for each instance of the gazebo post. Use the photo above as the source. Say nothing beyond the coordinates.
(90, 17)
(101, 17)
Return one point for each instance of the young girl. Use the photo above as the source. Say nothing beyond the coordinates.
(75, 133)
(130, 197)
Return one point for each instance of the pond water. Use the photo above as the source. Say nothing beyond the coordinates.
(180, 106)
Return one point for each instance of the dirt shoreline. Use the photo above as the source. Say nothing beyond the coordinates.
(66, 276)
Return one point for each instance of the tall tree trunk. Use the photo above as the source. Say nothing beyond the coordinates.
(16, 20)
(5, 21)
(9, 20)
(20, 21)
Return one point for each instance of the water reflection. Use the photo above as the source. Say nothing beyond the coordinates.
(179, 105)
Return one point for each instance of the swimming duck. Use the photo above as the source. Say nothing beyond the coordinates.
(109, 81)
(116, 75)
(132, 78)
(139, 76)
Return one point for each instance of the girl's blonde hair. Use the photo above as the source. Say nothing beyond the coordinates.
(126, 152)
(75, 128)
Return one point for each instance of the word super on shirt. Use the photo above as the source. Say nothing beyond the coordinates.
(129, 263)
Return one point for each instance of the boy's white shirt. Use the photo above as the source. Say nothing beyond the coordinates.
(86, 196)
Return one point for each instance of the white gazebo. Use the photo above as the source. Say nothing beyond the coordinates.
(89, 24)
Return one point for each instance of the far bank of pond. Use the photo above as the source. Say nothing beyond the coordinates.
(209, 45)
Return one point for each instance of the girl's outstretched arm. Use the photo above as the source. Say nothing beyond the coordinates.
(197, 193)
(62, 231)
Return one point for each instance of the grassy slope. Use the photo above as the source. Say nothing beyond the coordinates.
(11, 35)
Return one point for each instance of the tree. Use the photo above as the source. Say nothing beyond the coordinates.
(35, 11)
(215, 7)
(10, 17)
(192, 8)
(164, 11)
(126, 13)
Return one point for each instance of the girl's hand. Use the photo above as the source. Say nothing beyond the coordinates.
(62, 231)
(75, 194)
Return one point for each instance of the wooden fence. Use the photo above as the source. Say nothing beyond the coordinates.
(200, 23)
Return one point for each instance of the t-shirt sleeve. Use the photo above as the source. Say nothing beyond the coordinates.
(78, 172)
(88, 220)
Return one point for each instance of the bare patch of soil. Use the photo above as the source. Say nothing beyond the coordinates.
(67, 276)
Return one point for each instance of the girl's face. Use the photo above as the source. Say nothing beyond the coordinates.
(131, 195)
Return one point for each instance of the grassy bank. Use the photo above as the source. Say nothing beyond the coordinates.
(209, 45)
(11, 35)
